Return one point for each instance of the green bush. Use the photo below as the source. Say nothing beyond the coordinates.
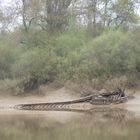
(35, 66)
(134, 52)
(35, 39)
(71, 56)
(8, 54)
(108, 54)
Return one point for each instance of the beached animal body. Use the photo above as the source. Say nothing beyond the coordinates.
(116, 97)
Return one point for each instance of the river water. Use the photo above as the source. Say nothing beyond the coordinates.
(99, 123)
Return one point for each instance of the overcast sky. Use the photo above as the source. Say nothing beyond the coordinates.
(6, 2)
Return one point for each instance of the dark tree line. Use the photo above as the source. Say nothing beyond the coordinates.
(53, 15)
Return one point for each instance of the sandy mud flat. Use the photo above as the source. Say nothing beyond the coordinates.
(60, 95)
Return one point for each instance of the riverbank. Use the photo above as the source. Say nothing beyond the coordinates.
(65, 94)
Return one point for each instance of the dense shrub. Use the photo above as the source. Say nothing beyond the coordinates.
(8, 54)
(36, 66)
(71, 56)
(108, 53)
(112, 54)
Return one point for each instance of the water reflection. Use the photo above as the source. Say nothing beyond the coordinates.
(98, 123)
(114, 114)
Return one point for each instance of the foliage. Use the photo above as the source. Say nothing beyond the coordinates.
(71, 56)
(35, 66)
(8, 54)
(80, 41)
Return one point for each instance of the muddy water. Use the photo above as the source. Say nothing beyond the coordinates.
(121, 122)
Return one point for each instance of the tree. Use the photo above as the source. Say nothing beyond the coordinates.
(7, 18)
(109, 13)
(29, 12)
(123, 13)
(105, 12)
(57, 14)
(50, 15)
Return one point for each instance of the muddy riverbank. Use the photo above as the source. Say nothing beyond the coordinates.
(63, 94)
(110, 122)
